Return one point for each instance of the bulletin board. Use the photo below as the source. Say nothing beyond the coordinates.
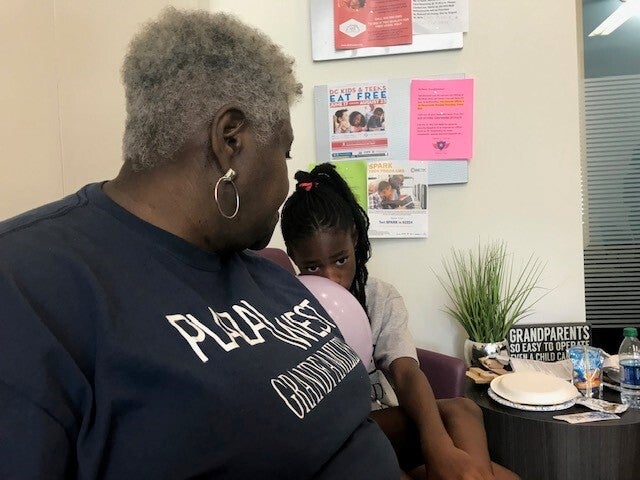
(439, 172)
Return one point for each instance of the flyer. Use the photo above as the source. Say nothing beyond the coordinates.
(371, 23)
(440, 16)
(323, 27)
(441, 119)
(356, 120)
(397, 206)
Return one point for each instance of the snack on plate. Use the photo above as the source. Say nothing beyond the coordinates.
(480, 376)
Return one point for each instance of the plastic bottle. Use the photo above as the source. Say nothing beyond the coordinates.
(629, 358)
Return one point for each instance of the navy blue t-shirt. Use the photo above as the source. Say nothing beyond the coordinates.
(128, 353)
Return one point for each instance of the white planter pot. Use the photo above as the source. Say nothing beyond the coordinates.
(475, 350)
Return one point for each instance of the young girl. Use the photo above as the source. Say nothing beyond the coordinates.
(376, 121)
(341, 122)
(357, 122)
(326, 234)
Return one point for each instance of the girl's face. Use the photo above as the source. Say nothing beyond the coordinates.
(328, 253)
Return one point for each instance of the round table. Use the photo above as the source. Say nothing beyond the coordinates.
(538, 447)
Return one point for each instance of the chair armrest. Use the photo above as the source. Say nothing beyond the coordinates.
(446, 374)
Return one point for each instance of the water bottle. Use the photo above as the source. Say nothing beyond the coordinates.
(629, 357)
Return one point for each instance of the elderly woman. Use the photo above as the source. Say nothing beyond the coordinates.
(139, 338)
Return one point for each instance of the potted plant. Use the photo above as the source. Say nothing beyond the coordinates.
(488, 296)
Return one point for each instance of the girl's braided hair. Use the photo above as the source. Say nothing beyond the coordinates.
(322, 200)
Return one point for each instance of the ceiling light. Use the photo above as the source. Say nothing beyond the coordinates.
(623, 13)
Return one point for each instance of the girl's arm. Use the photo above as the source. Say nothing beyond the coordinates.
(446, 436)
(443, 459)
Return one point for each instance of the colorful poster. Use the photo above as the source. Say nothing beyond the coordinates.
(323, 29)
(397, 205)
(441, 119)
(371, 23)
(357, 121)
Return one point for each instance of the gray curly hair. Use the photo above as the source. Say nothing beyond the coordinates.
(181, 68)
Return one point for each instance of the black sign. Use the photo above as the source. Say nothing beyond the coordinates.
(547, 342)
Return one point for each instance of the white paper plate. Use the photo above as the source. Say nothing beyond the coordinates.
(532, 408)
(533, 388)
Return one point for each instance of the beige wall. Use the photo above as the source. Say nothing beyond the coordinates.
(61, 101)
(524, 178)
(30, 158)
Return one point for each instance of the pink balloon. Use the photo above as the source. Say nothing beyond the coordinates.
(345, 311)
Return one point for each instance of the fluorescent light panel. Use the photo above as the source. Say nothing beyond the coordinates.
(623, 13)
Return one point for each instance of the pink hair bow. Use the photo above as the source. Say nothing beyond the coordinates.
(306, 185)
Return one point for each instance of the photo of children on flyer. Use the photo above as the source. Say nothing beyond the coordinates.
(371, 118)
(391, 192)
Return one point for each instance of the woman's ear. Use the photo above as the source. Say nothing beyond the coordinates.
(227, 132)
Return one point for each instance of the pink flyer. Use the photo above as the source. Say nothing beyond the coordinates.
(441, 119)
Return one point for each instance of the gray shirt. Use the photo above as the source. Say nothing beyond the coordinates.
(391, 338)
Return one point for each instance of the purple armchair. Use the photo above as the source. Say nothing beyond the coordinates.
(279, 256)
(446, 374)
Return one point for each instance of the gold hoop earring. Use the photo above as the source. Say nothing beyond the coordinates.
(227, 178)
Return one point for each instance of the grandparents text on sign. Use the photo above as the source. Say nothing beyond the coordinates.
(547, 342)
